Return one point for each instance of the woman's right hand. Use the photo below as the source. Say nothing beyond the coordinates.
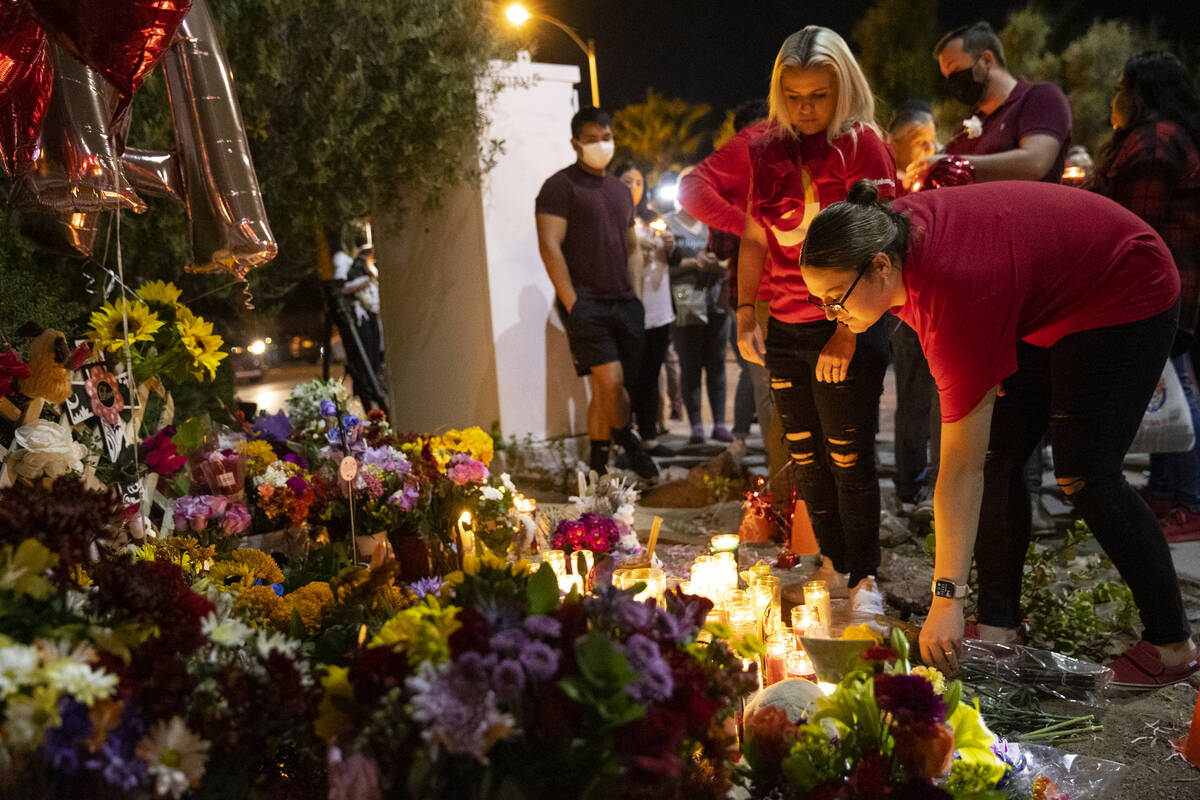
(942, 635)
(750, 337)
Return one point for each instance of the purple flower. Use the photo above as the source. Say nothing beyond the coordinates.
(273, 427)
(509, 642)
(656, 684)
(427, 586)
(508, 679)
(540, 659)
(910, 698)
(236, 519)
(387, 458)
(192, 512)
(635, 615)
(350, 422)
(406, 497)
(641, 650)
(328, 409)
(61, 746)
(470, 667)
(333, 436)
(296, 458)
(541, 625)
(117, 760)
(297, 484)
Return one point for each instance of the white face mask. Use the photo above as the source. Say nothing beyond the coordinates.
(597, 154)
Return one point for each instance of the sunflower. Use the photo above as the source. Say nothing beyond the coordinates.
(108, 329)
(202, 344)
(159, 291)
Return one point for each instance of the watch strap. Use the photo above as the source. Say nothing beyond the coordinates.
(949, 589)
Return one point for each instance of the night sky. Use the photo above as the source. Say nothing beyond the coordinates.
(721, 52)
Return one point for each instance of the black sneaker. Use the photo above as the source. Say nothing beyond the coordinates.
(660, 450)
(922, 513)
(642, 464)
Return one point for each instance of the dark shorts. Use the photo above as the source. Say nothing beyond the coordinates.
(603, 331)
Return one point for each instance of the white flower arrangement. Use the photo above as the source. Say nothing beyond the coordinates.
(44, 448)
(304, 403)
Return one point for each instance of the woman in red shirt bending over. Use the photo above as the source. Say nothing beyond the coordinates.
(825, 380)
(1037, 305)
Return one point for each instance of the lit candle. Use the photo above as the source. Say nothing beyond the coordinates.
(568, 582)
(655, 580)
(775, 668)
(589, 561)
(806, 622)
(816, 593)
(526, 512)
(760, 598)
(800, 666)
(557, 560)
(466, 535)
(725, 543)
(741, 618)
(774, 618)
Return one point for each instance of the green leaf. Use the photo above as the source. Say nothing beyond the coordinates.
(296, 626)
(600, 664)
(190, 435)
(542, 590)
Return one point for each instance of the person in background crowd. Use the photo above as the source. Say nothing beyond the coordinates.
(588, 243)
(1152, 167)
(715, 193)
(826, 380)
(912, 136)
(656, 300)
(1067, 301)
(1019, 131)
(701, 333)
(362, 283)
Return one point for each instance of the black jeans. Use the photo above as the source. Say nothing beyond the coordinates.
(830, 434)
(642, 383)
(1091, 389)
(702, 348)
(918, 415)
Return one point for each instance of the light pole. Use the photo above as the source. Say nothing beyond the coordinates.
(518, 15)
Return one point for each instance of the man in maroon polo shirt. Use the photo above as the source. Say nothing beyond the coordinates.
(1018, 130)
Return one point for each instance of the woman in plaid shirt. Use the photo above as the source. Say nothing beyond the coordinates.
(1152, 167)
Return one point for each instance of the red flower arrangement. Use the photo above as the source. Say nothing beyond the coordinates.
(594, 532)
(11, 368)
(161, 454)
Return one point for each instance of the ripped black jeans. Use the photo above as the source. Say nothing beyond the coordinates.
(830, 430)
(1091, 390)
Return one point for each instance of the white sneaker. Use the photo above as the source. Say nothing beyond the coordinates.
(865, 598)
(836, 582)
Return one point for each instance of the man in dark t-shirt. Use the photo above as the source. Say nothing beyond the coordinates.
(1019, 130)
(588, 243)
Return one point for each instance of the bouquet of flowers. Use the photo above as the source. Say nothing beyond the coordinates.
(886, 729)
(495, 683)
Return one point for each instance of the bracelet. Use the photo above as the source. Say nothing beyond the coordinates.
(744, 305)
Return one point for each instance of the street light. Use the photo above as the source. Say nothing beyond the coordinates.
(518, 15)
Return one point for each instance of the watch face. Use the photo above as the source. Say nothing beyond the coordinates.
(944, 589)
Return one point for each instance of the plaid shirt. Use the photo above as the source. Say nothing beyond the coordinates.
(1156, 175)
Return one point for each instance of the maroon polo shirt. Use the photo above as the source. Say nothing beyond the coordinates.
(1030, 108)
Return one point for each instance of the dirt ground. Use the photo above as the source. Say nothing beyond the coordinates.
(1137, 727)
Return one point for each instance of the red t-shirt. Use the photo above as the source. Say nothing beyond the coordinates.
(992, 263)
(794, 178)
(715, 191)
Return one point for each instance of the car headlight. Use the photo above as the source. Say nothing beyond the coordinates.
(257, 347)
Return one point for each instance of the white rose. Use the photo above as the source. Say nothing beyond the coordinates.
(46, 448)
(973, 127)
(625, 514)
(491, 493)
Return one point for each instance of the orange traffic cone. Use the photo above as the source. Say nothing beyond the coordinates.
(804, 541)
(1190, 747)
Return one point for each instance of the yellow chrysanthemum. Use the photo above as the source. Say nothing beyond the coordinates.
(862, 632)
(312, 602)
(933, 675)
(202, 344)
(261, 607)
(422, 631)
(331, 720)
(108, 328)
(474, 441)
(163, 292)
(259, 456)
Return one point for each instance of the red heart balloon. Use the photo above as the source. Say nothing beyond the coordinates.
(21, 39)
(121, 39)
(22, 110)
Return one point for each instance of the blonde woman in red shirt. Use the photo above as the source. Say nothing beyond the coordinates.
(825, 380)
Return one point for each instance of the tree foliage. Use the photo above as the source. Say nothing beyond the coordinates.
(895, 41)
(659, 133)
(349, 106)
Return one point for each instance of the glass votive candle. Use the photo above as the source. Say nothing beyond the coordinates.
(816, 593)
(774, 662)
(742, 619)
(760, 598)
(776, 620)
(557, 560)
(725, 543)
(806, 622)
(655, 580)
(799, 665)
(757, 573)
(568, 582)
(582, 562)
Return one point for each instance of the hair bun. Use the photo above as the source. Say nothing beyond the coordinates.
(863, 193)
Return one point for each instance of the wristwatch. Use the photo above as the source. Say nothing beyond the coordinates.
(950, 590)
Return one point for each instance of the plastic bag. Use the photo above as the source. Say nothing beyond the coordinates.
(1079, 777)
(1052, 674)
(1167, 424)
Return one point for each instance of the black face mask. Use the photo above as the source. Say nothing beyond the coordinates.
(962, 85)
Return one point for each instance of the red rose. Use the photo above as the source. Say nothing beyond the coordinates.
(870, 777)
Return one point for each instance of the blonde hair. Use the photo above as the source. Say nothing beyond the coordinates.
(815, 47)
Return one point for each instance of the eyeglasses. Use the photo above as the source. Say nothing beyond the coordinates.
(840, 306)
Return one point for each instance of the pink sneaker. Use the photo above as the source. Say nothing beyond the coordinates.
(1180, 525)
(1141, 667)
